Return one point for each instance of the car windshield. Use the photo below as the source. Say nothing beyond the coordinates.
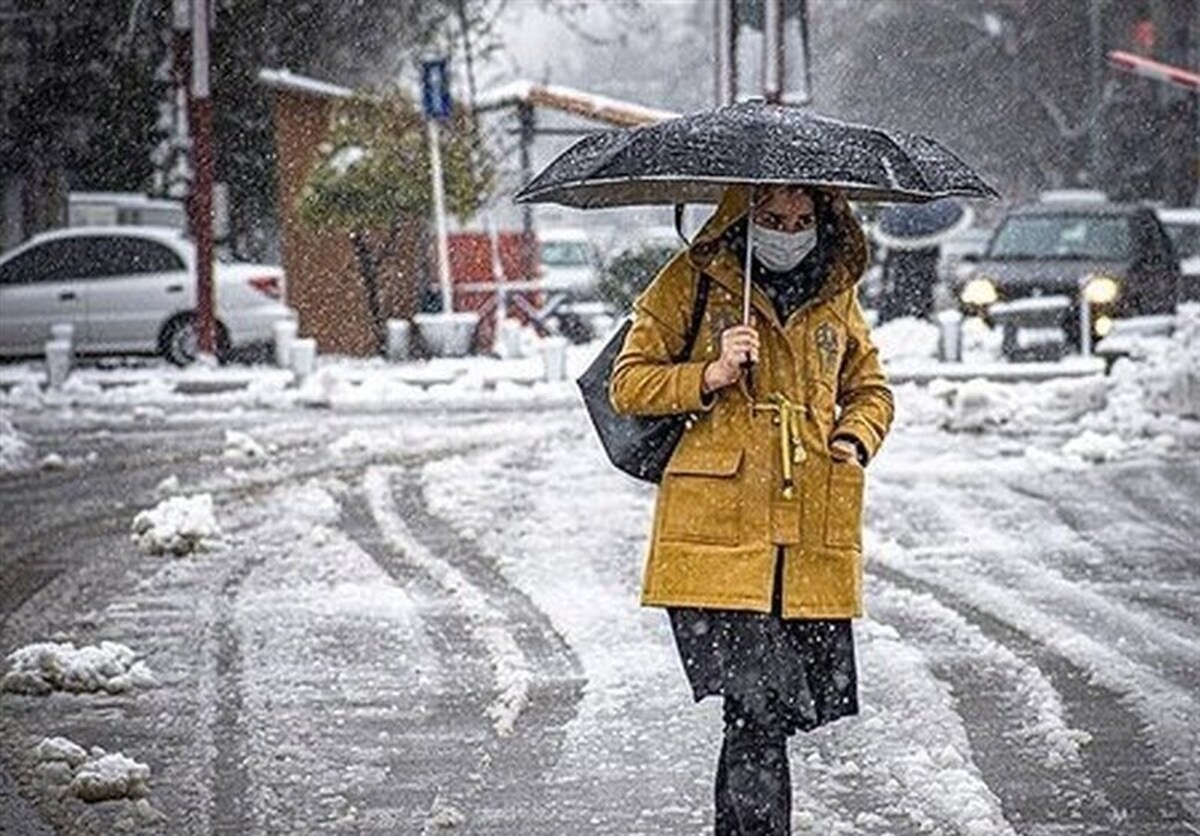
(566, 254)
(1185, 238)
(1099, 237)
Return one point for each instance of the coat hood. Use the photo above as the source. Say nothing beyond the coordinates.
(849, 245)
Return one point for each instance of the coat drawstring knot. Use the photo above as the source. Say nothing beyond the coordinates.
(787, 416)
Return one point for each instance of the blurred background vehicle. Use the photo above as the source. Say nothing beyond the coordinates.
(569, 263)
(1046, 256)
(1183, 228)
(129, 209)
(130, 290)
(569, 275)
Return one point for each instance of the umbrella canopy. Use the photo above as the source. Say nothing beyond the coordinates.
(921, 225)
(693, 158)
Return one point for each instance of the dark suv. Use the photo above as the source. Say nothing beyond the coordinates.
(1045, 259)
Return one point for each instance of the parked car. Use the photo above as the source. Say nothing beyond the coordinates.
(1183, 228)
(1045, 257)
(569, 276)
(129, 290)
(569, 263)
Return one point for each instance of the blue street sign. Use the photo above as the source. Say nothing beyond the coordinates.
(435, 89)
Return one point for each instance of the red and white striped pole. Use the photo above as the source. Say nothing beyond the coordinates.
(1157, 70)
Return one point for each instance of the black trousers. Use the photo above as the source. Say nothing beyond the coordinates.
(754, 783)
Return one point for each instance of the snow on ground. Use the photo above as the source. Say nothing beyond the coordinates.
(576, 549)
(178, 525)
(512, 669)
(240, 445)
(1095, 447)
(958, 526)
(51, 666)
(330, 646)
(1149, 402)
(15, 452)
(906, 338)
(92, 776)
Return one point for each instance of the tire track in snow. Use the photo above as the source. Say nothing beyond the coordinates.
(512, 669)
(1122, 676)
(1013, 716)
(1132, 784)
(537, 677)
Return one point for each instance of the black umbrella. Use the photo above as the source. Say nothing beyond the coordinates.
(693, 158)
(917, 226)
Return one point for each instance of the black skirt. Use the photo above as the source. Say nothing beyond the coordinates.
(801, 672)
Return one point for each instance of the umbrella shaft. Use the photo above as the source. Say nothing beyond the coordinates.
(749, 256)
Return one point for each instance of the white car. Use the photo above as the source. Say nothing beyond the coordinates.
(1183, 227)
(129, 290)
(569, 263)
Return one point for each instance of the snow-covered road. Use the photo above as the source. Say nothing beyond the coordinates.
(426, 621)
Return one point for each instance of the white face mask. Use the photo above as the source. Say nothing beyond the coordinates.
(782, 251)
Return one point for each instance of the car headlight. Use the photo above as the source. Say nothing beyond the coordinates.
(1101, 290)
(979, 291)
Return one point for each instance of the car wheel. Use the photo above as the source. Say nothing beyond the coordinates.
(178, 341)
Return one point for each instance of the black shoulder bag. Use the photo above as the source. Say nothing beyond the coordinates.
(640, 445)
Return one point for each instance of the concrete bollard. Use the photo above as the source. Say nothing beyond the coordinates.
(508, 339)
(399, 340)
(554, 359)
(950, 335)
(63, 331)
(285, 333)
(58, 362)
(303, 357)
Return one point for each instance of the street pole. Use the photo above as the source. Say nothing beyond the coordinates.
(772, 55)
(723, 58)
(200, 204)
(528, 120)
(1097, 67)
(439, 213)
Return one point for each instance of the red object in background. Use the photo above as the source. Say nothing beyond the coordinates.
(1144, 35)
(471, 263)
(1157, 70)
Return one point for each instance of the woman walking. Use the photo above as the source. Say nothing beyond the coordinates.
(756, 548)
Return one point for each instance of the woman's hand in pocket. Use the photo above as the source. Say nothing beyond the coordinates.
(843, 450)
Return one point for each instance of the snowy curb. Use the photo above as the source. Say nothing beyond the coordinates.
(42, 668)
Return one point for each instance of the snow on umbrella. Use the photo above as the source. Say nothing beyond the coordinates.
(922, 225)
(693, 158)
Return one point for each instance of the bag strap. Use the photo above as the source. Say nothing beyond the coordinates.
(698, 307)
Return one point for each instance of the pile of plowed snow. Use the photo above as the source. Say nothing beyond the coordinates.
(50, 666)
(178, 525)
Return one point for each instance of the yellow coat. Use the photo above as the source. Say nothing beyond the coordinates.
(722, 510)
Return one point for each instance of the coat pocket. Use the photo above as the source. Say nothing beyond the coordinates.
(843, 505)
(702, 497)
